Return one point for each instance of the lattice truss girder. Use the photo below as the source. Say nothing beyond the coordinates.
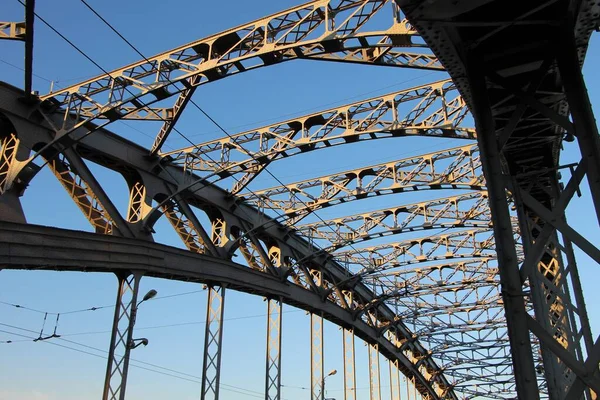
(322, 29)
(12, 30)
(456, 168)
(434, 109)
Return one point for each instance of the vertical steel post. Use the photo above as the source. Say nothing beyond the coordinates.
(120, 341)
(349, 365)
(394, 380)
(374, 377)
(211, 365)
(316, 357)
(273, 372)
(512, 292)
(29, 26)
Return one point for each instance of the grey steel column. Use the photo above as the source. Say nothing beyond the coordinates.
(316, 357)
(508, 266)
(374, 377)
(211, 365)
(273, 372)
(121, 337)
(349, 365)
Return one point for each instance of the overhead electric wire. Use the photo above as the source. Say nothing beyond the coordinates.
(228, 387)
(176, 324)
(94, 308)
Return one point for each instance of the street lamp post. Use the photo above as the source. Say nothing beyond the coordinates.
(131, 342)
(332, 372)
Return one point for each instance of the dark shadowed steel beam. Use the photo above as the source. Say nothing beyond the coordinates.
(29, 24)
(512, 292)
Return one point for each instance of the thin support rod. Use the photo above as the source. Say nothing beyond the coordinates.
(512, 292)
(349, 365)
(316, 357)
(273, 372)
(211, 365)
(122, 334)
(374, 376)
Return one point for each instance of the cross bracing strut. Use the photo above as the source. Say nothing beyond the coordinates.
(433, 110)
(12, 30)
(469, 210)
(456, 168)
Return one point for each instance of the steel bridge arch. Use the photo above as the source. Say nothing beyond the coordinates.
(135, 158)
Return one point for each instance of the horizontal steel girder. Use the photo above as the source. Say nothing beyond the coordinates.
(469, 210)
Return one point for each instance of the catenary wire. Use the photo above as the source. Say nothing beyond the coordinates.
(187, 323)
(194, 378)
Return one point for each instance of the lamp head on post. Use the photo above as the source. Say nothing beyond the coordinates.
(151, 294)
(136, 342)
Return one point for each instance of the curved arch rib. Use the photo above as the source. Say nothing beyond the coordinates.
(458, 168)
(434, 109)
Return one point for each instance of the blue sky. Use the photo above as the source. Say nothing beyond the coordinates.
(42, 371)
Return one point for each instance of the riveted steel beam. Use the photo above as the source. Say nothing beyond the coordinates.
(374, 375)
(317, 374)
(349, 364)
